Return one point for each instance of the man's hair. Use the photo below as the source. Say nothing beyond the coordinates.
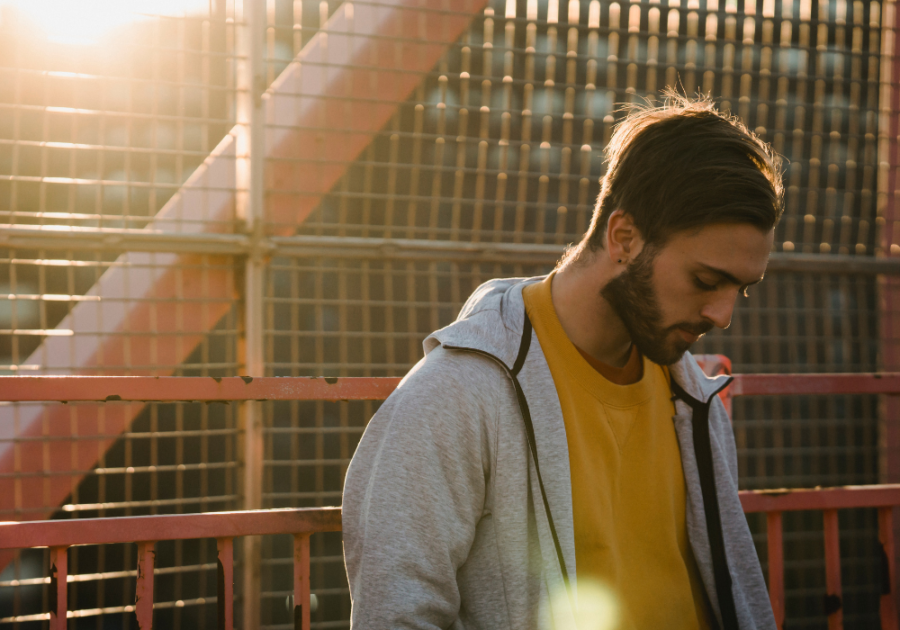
(684, 166)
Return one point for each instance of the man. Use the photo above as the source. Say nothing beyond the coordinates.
(558, 458)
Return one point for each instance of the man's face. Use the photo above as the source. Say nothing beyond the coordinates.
(669, 297)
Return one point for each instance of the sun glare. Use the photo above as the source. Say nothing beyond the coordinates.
(598, 608)
(87, 22)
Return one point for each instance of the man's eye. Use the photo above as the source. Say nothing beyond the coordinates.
(703, 286)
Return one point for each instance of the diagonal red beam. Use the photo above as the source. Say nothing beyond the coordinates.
(322, 112)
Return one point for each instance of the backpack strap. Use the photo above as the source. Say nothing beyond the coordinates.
(703, 453)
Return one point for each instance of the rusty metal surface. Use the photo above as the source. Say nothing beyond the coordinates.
(143, 592)
(59, 596)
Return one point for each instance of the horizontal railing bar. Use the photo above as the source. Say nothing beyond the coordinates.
(192, 388)
(125, 529)
(304, 246)
(110, 610)
(109, 575)
(846, 497)
(296, 388)
(812, 384)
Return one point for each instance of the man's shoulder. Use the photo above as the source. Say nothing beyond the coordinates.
(447, 394)
(454, 372)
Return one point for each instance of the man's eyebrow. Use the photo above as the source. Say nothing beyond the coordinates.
(730, 277)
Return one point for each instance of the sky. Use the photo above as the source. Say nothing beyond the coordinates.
(87, 22)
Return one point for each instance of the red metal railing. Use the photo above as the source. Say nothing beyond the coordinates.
(829, 500)
(224, 527)
(148, 530)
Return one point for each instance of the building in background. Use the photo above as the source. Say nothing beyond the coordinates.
(163, 216)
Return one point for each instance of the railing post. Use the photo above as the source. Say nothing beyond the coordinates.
(225, 584)
(888, 210)
(143, 592)
(833, 600)
(59, 592)
(776, 566)
(250, 156)
(301, 582)
(888, 607)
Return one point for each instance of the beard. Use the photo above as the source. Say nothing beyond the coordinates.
(633, 298)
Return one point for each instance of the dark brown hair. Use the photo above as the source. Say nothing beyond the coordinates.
(682, 166)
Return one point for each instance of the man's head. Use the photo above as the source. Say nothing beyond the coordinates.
(686, 218)
(683, 166)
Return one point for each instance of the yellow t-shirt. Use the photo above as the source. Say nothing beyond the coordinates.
(628, 495)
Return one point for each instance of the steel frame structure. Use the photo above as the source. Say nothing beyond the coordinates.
(351, 53)
(317, 139)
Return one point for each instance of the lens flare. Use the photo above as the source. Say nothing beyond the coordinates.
(597, 606)
(87, 22)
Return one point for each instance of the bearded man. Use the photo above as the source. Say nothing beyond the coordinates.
(558, 457)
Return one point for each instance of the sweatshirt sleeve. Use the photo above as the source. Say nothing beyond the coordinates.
(414, 493)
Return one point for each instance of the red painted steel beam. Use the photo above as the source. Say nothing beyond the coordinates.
(192, 388)
(834, 604)
(225, 584)
(301, 582)
(307, 122)
(162, 388)
(143, 592)
(775, 544)
(820, 498)
(59, 587)
(812, 384)
(889, 213)
(887, 604)
(100, 531)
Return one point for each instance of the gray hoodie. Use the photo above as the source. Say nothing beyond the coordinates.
(443, 519)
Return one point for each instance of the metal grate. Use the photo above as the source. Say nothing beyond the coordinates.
(405, 153)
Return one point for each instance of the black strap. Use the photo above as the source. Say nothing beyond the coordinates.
(513, 373)
(703, 453)
(524, 345)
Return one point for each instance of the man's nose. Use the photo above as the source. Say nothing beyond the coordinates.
(720, 308)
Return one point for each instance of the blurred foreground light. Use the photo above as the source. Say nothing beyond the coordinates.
(87, 22)
(598, 608)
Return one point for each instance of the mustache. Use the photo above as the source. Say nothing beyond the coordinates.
(698, 329)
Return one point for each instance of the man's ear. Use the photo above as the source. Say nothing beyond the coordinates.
(623, 239)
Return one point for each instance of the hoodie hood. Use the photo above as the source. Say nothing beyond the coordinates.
(492, 319)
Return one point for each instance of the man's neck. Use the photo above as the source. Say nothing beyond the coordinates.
(586, 317)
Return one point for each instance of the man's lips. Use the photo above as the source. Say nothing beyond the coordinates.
(692, 333)
(687, 336)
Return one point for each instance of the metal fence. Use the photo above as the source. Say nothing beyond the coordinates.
(277, 187)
